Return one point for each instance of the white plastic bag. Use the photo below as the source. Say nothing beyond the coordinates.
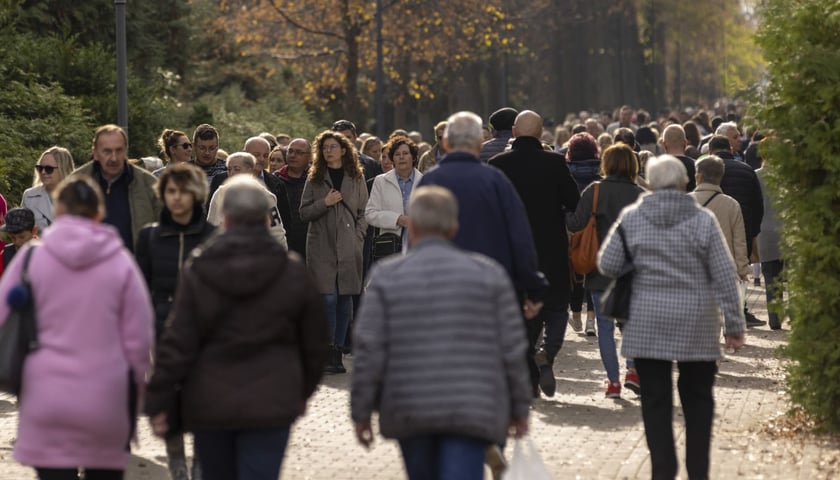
(526, 463)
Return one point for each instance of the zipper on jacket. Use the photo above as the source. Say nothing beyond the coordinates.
(180, 252)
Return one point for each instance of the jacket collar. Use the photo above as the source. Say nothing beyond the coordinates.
(169, 227)
(459, 157)
(708, 187)
(527, 143)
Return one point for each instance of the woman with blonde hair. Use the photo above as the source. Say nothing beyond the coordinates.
(333, 202)
(54, 165)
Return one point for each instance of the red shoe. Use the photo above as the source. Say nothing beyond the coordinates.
(613, 389)
(631, 381)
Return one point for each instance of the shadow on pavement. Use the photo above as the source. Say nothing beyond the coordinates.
(594, 417)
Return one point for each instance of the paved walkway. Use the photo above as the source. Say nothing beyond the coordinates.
(579, 433)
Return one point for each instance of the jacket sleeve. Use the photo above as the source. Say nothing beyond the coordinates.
(753, 225)
(569, 189)
(375, 212)
(311, 208)
(612, 260)
(369, 347)
(526, 273)
(511, 334)
(214, 211)
(361, 202)
(312, 328)
(10, 279)
(576, 220)
(725, 280)
(136, 322)
(739, 242)
(177, 350)
(143, 255)
(282, 196)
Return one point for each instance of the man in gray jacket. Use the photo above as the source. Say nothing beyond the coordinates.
(446, 375)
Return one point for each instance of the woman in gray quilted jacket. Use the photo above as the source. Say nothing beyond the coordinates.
(684, 278)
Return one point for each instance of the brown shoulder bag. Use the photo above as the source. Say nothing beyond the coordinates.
(584, 245)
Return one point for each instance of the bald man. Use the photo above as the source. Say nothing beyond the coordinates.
(548, 190)
(674, 141)
(260, 148)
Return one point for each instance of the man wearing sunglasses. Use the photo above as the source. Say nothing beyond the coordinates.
(130, 201)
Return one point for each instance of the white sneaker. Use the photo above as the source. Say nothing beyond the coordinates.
(575, 322)
(590, 327)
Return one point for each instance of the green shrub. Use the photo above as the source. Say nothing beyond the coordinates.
(801, 107)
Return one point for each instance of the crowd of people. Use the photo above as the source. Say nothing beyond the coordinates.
(211, 291)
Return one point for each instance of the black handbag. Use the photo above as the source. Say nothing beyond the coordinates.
(385, 244)
(615, 302)
(19, 334)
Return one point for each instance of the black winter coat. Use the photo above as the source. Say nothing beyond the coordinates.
(247, 337)
(741, 183)
(585, 172)
(162, 249)
(548, 190)
(296, 228)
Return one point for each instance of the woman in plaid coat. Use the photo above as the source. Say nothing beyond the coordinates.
(684, 278)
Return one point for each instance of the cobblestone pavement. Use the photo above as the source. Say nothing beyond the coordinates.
(580, 433)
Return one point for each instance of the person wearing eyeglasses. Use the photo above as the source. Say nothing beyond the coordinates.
(52, 167)
(293, 176)
(333, 202)
(175, 147)
(433, 156)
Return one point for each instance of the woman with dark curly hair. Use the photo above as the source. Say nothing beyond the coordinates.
(333, 202)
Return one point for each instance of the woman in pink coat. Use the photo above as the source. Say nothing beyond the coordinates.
(80, 388)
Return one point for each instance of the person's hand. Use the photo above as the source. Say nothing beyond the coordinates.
(531, 309)
(364, 434)
(333, 197)
(518, 427)
(159, 424)
(402, 221)
(735, 342)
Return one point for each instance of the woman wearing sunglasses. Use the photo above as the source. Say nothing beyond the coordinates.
(55, 164)
(175, 147)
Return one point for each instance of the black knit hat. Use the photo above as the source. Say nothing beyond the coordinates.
(503, 118)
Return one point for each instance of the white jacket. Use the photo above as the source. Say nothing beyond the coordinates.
(38, 200)
(386, 203)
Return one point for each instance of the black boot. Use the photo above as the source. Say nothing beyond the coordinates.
(337, 360)
(330, 367)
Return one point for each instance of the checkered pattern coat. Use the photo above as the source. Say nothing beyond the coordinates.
(684, 277)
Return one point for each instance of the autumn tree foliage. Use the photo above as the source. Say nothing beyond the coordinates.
(330, 44)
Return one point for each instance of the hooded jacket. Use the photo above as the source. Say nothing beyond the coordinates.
(95, 329)
(684, 277)
(246, 339)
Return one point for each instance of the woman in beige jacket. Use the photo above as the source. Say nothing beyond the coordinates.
(333, 202)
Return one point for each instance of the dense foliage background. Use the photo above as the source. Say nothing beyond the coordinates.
(801, 105)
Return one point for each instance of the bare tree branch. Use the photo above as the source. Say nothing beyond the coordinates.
(300, 26)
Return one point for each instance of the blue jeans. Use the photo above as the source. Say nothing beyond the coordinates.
(606, 340)
(255, 454)
(443, 457)
(338, 317)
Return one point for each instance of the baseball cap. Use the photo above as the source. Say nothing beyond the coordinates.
(18, 220)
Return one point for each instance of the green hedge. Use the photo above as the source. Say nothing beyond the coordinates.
(800, 104)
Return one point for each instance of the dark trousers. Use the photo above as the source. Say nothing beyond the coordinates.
(695, 388)
(73, 474)
(255, 454)
(773, 288)
(579, 294)
(554, 319)
(443, 457)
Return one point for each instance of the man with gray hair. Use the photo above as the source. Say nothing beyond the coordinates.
(260, 148)
(726, 209)
(730, 131)
(412, 357)
(492, 218)
(240, 163)
(674, 142)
